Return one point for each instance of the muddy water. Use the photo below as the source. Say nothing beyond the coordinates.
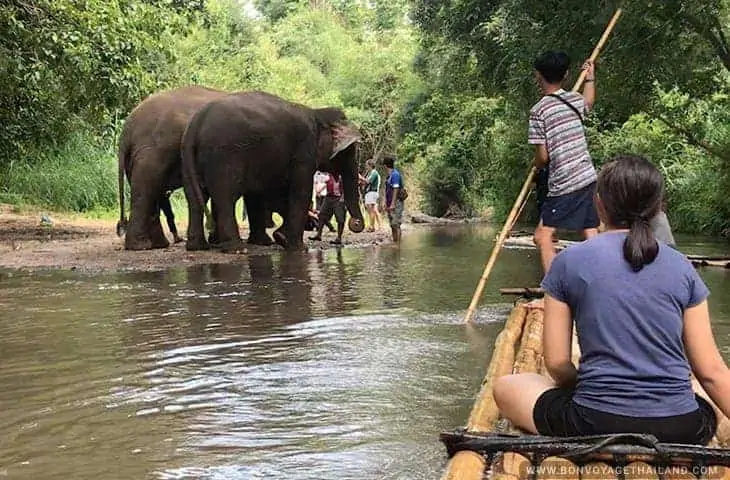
(320, 366)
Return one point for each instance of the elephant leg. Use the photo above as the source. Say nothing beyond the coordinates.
(196, 236)
(257, 221)
(229, 238)
(157, 235)
(268, 215)
(144, 231)
(297, 217)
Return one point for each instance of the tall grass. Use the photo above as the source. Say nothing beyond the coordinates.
(79, 175)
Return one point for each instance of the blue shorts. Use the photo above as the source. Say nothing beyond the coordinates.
(572, 211)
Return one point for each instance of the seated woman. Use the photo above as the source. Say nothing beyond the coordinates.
(642, 322)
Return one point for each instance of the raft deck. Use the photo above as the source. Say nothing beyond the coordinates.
(478, 451)
(525, 242)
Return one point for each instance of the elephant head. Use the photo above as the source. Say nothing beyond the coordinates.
(337, 153)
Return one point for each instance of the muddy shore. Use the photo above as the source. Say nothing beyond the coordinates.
(75, 243)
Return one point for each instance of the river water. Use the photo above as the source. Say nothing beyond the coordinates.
(327, 365)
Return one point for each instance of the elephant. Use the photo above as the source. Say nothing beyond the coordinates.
(266, 149)
(149, 155)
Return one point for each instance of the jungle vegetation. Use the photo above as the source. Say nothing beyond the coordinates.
(447, 85)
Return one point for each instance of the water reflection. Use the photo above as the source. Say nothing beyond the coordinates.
(337, 364)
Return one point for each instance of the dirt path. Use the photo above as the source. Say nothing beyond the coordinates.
(75, 243)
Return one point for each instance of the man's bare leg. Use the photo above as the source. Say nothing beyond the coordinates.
(544, 241)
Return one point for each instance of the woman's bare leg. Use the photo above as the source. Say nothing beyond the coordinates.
(516, 396)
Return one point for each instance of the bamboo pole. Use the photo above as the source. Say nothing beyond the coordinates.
(512, 217)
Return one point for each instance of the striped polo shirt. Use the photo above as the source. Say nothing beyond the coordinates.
(554, 124)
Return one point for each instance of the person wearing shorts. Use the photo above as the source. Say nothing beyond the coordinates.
(556, 130)
(372, 187)
(640, 313)
(393, 204)
(333, 204)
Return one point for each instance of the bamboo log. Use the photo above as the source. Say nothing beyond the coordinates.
(557, 468)
(466, 465)
(523, 291)
(640, 471)
(528, 357)
(484, 414)
(512, 466)
(597, 471)
(680, 473)
(512, 217)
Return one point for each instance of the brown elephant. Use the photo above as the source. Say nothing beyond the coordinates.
(266, 149)
(149, 155)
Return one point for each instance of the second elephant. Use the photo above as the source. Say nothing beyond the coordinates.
(266, 149)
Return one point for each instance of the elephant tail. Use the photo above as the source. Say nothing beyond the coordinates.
(123, 155)
(188, 167)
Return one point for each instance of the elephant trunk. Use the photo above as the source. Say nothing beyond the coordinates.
(350, 183)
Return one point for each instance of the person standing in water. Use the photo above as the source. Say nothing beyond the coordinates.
(393, 200)
(372, 189)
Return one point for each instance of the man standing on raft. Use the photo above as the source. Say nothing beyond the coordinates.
(556, 130)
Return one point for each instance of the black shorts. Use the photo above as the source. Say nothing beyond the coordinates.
(572, 211)
(332, 206)
(541, 187)
(557, 415)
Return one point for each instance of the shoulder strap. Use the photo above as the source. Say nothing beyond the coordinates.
(554, 95)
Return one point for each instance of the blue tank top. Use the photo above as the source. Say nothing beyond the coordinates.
(629, 326)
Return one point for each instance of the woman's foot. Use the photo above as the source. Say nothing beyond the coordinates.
(336, 241)
(316, 238)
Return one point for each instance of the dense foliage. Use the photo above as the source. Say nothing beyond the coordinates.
(662, 83)
(71, 71)
(446, 84)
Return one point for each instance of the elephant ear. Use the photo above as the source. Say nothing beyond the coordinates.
(342, 137)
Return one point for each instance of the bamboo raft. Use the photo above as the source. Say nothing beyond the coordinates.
(525, 242)
(489, 447)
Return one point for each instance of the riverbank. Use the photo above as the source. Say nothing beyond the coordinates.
(72, 242)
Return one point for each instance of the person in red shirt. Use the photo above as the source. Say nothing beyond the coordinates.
(333, 204)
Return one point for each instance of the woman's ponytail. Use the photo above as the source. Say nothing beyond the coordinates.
(631, 191)
(640, 246)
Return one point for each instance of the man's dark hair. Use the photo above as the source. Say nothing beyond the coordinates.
(552, 65)
(388, 161)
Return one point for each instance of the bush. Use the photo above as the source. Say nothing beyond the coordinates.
(80, 175)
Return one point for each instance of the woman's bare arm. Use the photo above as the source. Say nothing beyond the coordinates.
(704, 357)
(557, 342)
